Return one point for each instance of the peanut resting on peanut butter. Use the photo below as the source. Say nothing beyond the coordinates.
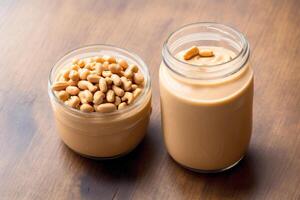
(195, 51)
(99, 84)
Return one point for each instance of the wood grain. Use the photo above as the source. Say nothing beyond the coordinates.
(34, 163)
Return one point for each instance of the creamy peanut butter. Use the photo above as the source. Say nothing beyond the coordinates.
(207, 124)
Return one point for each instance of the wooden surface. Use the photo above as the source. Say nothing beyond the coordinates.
(34, 163)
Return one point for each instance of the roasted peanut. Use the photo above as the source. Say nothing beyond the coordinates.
(75, 67)
(72, 83)
(122, 105)
(108, 80)
(86, 85)
(128, 96)
(60, 85)
(106, 73)
(110, 96)
(105, 65)
(86, 108)
(117, 100)
(126, 83)
(106, 108)
(98, 59)
(191, 52)
(99, 68)
(85, 96)
(65, 73)
(102, 85)
(134, 86)
(74, 102)
(93, 78)
(116, 80)
(118, 91)
(83, 73)
(74, 75)
(98, 97)
(63, 95)
(123, 63)
(136, 92)
(81, 63)
(206, 53)
(109, 59)
(138, 78)
(72, 90)
(114, 68)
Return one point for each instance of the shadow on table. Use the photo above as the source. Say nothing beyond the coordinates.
(241, 178)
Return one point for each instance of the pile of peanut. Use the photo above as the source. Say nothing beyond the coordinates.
(99, 84)
(195, 51)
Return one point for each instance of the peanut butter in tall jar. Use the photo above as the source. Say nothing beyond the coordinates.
(206, 88)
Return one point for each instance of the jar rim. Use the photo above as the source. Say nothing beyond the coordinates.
(244, 51)
(137, 103)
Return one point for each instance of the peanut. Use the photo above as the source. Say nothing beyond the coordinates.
(102, 85)
(128, 96)
(117, 100)
(86, 108)
(114, 68)
(83, 73)
(134, 86)
(81, 63)
(93, 78)
(122, 105)
(109, 59)
(74, 102)
(116, 80)
(98, 97)
(75, 61)
(85, 96)
(98, 59)
(106, 73)
(126, 83)
(110, 96)
(60, 85)
(86, 85)
(72, 90)
(136, 92)
(74, 75)
(123, 63)
(75, 67)
(65, 73)
(72, 83)
(106, 108)
(206, 53)
(191, 52)
(63, 95)
(108, 80)
(138, 78)
(99, 68)
(118, 91)
(105, 65)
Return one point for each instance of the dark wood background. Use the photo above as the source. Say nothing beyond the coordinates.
(34, 163)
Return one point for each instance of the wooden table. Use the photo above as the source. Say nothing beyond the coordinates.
(34, 163)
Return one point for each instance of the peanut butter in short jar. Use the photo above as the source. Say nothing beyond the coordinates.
(206, 88)
(101, 99)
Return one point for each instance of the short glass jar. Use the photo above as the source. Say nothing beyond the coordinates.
(102, 135)
(207, 109)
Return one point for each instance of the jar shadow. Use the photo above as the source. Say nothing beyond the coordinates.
(240, 178)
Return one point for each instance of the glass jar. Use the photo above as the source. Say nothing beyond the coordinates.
(102, 135)
(206, 110)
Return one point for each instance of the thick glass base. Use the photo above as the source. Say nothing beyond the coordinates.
(103, 158)
(211, 171)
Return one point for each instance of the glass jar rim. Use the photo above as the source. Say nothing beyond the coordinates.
(245, 50)
(136, 104)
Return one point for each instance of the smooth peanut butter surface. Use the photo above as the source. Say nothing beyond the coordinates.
(207, 124)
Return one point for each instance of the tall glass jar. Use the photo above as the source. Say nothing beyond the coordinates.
(102, 135)
(206, 110)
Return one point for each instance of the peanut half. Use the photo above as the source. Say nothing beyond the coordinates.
(190, 53)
